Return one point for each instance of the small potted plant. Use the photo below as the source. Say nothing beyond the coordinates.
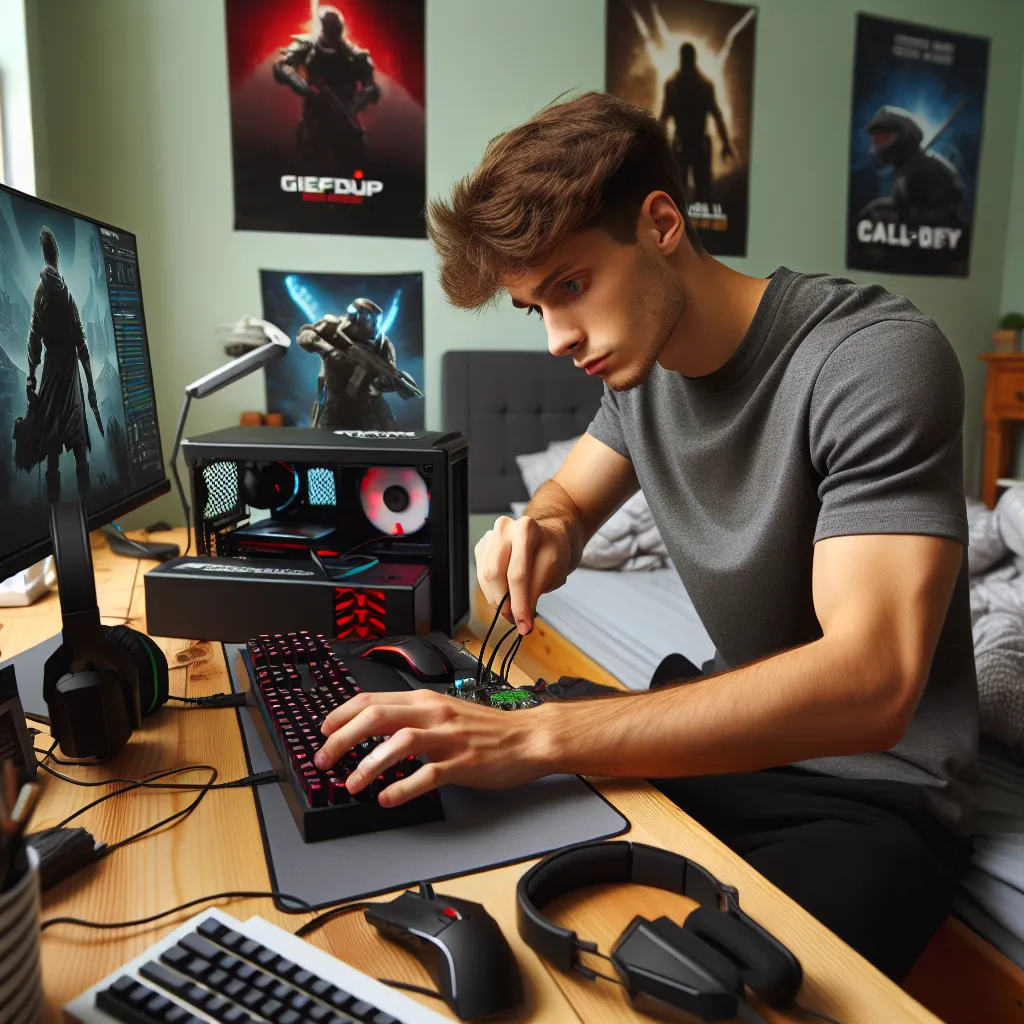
(1007, 338)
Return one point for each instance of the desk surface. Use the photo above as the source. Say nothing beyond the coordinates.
(218, 848)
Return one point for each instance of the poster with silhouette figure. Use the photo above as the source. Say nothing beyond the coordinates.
(356, 360)
(327, 115)
(691, 63)
(915, 141)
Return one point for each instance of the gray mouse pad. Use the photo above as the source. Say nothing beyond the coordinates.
(482, 829)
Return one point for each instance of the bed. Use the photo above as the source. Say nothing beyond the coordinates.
(512, 403)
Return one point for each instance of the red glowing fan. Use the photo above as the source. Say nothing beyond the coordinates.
(395, 499)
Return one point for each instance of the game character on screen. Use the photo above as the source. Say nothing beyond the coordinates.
(359, 364)
(56, 420)
(335, 80)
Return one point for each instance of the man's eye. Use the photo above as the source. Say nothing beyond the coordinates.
(573, 286)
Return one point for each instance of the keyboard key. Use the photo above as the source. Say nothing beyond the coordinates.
(262, 981)
(300, 1002)
(249, 949)
(319, 1014)
(230, 940)
(178, 1015)
(385, 1018)
(235, 1015)
(227, 962)
(340, 998)
(303, 978)
(265, 957)
(201, 947)
(167, 979)
(246, 973)
(211, 928)
(362, 1009)
(157, 1005)
(289, 1017)
(251, 998)
(271, 1008)
(281, 991)
(196, 967)
(217, 979)
(175, 956)
(234, 988)
(284, 968)
(320, 988)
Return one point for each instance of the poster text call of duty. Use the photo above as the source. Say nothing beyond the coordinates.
(77, 413)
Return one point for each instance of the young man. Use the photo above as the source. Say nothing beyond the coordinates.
(799, 442)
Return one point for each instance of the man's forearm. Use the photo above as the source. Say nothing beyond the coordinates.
(813, 701)
(552, 508)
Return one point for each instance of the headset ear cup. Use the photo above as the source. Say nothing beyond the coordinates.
(150, 663)
(764, 969)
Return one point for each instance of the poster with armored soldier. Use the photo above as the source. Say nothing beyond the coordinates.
(327, 115)
(357, 358)
(915, 141)
(691, 63)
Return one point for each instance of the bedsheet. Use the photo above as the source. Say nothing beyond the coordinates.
(628, 621)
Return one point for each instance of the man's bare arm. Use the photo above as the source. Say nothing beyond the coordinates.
(591, 484)
(880, 600)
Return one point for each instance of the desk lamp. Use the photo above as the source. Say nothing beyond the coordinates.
(245, 332)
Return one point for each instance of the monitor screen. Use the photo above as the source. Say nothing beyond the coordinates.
(77, 411)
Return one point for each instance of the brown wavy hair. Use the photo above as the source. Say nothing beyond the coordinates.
(588, 162)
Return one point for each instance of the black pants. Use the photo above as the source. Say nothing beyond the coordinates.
(865, 857)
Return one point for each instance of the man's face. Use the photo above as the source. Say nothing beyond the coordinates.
(612, 307)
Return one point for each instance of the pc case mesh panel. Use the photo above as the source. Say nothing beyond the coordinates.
(320, 484)
(221, 482)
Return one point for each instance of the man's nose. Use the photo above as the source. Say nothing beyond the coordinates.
(562, 341)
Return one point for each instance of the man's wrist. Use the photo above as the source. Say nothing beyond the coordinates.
(544, 737)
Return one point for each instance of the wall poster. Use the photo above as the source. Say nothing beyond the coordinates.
(356, 360)
(915, 140)
(327, 116)
(691, 63)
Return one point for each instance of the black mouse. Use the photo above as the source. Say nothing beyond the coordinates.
(418, 656)
(461, 946)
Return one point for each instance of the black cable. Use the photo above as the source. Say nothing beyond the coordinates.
(497, 647)
(213, 700)
(234, 894)
(509, 659)
(483, 646)
(411, 988)
(328, 915)
(257, 779)
(814, 1013)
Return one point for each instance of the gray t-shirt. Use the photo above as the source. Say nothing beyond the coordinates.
(840, 413)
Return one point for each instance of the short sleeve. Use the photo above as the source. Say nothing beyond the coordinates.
(606, 425)
(885, 426)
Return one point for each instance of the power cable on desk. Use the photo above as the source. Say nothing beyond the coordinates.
(234, 894)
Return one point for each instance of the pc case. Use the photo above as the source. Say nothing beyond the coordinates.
(281, 492)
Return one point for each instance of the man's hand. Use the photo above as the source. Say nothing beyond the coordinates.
(524, 559)
(466, 743)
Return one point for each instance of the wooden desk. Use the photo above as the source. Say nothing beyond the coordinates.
(219, 848)
(1004, 406)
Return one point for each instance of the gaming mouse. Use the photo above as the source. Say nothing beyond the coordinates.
(418, 656)
(461, 946)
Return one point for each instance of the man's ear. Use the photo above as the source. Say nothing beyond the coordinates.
(660, 217)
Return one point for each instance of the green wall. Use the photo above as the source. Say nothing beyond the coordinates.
(1013, 270)
(131, 116)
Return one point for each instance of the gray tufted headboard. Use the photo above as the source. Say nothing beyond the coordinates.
(509, 404)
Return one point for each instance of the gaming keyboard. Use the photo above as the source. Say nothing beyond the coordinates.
(215, 968)
(293, 681)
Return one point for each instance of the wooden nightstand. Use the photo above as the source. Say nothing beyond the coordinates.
(1004, 404)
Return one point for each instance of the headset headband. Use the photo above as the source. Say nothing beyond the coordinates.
(76, 586)
(601, 863)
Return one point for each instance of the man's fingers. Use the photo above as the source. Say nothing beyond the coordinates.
(423, 780)
(375, 720)
(520, 567)
(492, 567)
(405, 743)
(343, 715)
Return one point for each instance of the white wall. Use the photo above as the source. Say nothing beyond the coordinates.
(17, 167)
(1013, 268)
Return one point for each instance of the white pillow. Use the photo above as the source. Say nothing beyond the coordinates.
(539, 467)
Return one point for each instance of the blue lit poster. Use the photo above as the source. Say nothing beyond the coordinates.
(915, 141)
(356, 360)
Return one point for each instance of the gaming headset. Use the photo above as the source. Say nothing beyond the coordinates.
(700, 969)
(102, 680)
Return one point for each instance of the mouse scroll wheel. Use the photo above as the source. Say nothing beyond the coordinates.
(452, 913)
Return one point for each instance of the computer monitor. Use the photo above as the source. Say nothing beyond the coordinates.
(77, 409)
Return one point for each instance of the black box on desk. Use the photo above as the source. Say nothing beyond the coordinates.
(399, 496)
(233, 601)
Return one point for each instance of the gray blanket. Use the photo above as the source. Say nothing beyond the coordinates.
(996, 557)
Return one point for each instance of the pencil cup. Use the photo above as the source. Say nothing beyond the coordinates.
(21, 984)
